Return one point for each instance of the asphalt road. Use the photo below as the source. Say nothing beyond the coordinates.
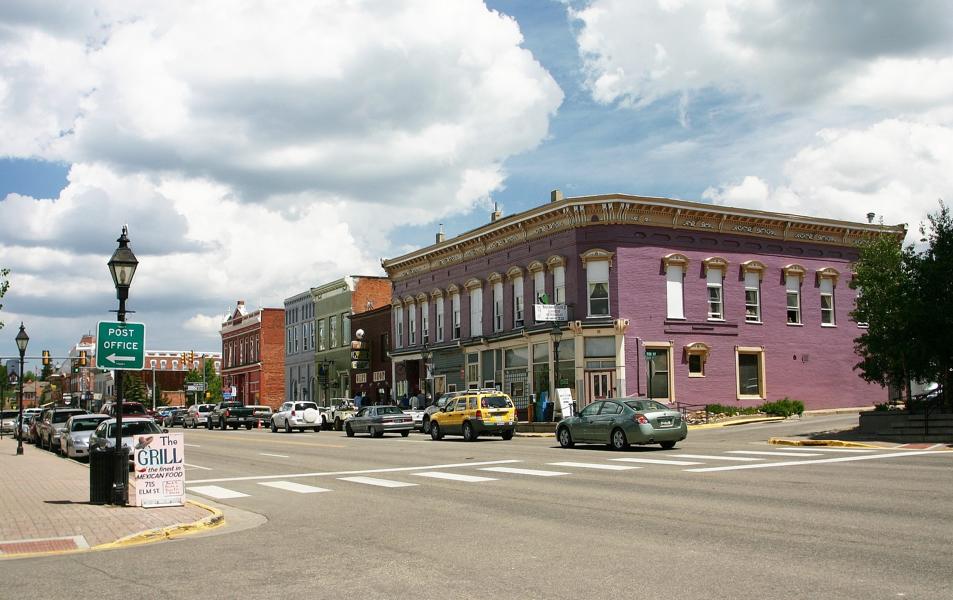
(497, 519)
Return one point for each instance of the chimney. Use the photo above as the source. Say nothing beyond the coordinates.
(870, 217)
(496, 214)
(241, 303)
(441, 236)
(555, 196)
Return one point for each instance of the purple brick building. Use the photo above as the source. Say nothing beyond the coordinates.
(681, 301)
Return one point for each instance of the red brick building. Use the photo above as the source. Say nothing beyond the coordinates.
(253, 355)
(374, 383)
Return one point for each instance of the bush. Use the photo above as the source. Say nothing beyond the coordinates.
(783, 408)
(716, 409)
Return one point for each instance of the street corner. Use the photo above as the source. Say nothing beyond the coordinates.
(215, 518)
(828, 443)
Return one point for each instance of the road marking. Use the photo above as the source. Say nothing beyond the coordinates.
(291, 486)
(792, 463)
(816, 449)
(593, 466)
(523, 471)
(454, 477)
(214, 491)
(192, 445)
(197, 467)
(713, 457)
(275, 455)
(655, 461)
(378, 482)
(772, 453)
(358, 472)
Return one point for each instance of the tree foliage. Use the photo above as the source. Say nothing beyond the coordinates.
(906, 299)
(133, 389)
(4, 286)
(213, 383)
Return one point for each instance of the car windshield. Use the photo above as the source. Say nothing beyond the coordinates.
(133, 408)
(85, 424)
(204, 408)
(495, 402)
(642, 405)
(9, 414)
(134, 428)
(389, 410)
(62, 417)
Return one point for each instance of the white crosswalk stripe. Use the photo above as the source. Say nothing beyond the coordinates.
(773, 453)
(514, 471)
(454, 476)
(378, 482)
(214, 491)
(599, 466)
(656, 461)
(816, 449)
(291, 486)
(713, 457)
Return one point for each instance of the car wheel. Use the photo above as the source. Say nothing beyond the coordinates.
(404, 433)
(426, 425)
(337, 424)
(317, 429)
(469, 435)
(379, 433)
(564, 437)
(618, 440)
(435, 433)
(248, 426)
(668, 445)
(348, 430)
(287, 426)
(274, 428)
(507, 435)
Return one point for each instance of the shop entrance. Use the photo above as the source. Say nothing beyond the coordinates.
(598, 385)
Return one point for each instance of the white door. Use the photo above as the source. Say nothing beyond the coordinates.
(598, 385)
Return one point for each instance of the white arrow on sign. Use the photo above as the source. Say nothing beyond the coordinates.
(114, 358)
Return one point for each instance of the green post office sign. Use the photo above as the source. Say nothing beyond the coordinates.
(120, 345)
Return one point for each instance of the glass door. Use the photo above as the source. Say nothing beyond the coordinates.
(599, 385)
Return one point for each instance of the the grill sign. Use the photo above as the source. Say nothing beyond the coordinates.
(159, 469)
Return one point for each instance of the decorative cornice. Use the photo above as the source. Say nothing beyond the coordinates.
(555, 261)
(794, 269)
(679, 260)
(494, 277)
(828, 273)
(453, 289)
(697, 348)
(422, 297)
(596, 254)
(408, 300)
(473, 283)
(715, 262)
(436, 293)
(536, 266)
(514, 272)
(624, 209)
(754, 266)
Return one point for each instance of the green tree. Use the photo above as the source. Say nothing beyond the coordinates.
(46, 372)
(213, 383)
(133, 389)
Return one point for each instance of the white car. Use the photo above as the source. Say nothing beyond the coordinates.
(296, 415)
(74, 442)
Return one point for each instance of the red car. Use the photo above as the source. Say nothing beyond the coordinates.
(129, 409)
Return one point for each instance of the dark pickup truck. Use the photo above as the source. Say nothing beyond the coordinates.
(231, 413)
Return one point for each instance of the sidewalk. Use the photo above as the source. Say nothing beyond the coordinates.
(44, 507)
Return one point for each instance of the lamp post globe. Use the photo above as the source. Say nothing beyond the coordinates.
(22, 340)
(122, 267)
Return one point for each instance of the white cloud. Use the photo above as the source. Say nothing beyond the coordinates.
(254, 149)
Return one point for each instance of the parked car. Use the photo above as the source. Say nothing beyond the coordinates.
(23, 428)
(197, 415)
(230, 413)
(619, 422)
(417, 415)
(173, 416)
(74, 443)
(129, 409)
(8, 421)
(378, 420)
(341, 410)
(475, 413)
(104, 436)
(435, 407)
(296, 415)
(52, 424)
(261, 413)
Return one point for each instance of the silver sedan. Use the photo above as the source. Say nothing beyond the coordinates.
(74, 443)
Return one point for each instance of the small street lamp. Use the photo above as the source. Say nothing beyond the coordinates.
(22, 340)
(122, 267)
(425, 356)
(557, 334)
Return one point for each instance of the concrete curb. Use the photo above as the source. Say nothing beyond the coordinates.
(834, 443)
(736, 422)
(216, 519)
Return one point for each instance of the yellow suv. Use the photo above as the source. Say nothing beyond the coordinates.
(474, 413)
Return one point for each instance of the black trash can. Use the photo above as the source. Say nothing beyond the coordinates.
(101, 472)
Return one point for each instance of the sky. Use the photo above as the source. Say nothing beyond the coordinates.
(257, 149)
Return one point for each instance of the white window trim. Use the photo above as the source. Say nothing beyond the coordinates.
(440, 313)
(675, 269)
(763, 384)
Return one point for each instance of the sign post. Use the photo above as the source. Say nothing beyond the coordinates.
(120, 345)
(159, 460)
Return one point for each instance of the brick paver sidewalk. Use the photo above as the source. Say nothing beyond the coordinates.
(45, 498)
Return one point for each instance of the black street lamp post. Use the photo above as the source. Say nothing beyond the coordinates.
(22, 340)
(425, 356)
(122, 267)
(557, 333)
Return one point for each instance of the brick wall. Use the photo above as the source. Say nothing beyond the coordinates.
(272, 349)
(377, 290)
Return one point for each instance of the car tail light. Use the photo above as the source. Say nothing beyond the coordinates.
(640, 419)
(293, 413)
(479, 415)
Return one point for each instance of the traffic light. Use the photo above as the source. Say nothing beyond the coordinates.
(82, 358)
(46, 358)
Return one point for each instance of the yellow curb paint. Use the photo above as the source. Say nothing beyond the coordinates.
(832, 443)
(738, 422)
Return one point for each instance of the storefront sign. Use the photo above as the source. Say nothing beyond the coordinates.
(551, 312)
(159, 461)
(565, 402)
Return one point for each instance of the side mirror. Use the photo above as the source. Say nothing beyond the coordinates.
(165, 431)
(443, 408)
